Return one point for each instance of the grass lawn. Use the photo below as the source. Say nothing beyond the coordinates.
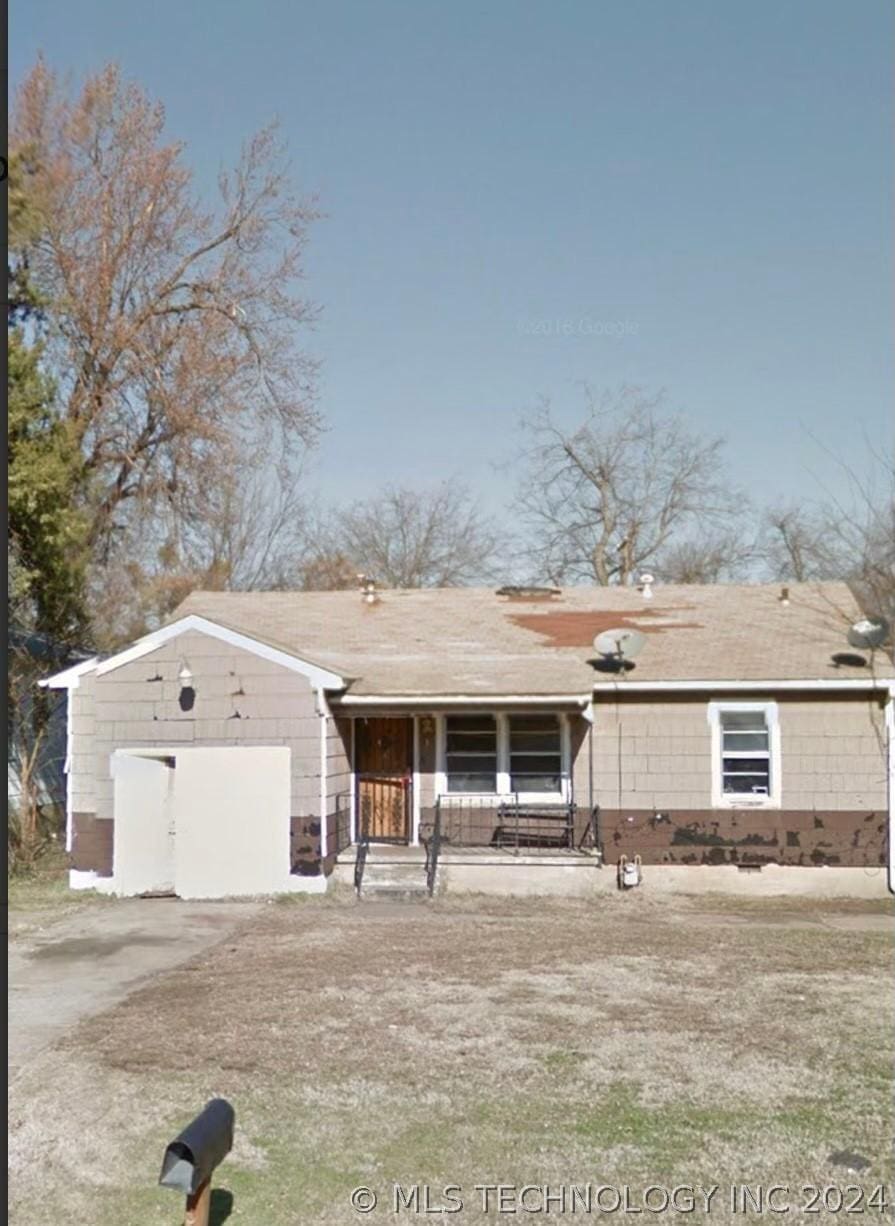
(41, 895)
(628, 1041)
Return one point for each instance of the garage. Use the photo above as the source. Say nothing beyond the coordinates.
(201, 822)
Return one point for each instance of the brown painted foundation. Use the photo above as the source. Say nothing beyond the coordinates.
(304, 843)
(304, 846)
(92, 843)
(847, 838)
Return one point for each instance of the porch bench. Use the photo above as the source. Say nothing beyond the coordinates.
(535, 825)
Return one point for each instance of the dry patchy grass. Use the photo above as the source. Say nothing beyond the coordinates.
(630, 1040)
(40, 896)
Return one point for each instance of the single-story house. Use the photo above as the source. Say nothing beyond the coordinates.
(255, 742)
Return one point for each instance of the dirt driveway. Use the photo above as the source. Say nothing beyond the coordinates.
(81, 963)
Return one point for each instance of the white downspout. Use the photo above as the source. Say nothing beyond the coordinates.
(415, 798)
(352, 810)
(890, 743)
(323, 712)
(69, 760)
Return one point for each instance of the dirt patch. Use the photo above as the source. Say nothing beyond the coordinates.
(98, 947)
(82, 961)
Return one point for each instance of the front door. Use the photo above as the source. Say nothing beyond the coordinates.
(384, 750)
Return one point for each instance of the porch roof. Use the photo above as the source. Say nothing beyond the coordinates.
(477, 643)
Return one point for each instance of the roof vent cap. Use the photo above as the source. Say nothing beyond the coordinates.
(369, 595)
(521, 591)
(645, 586)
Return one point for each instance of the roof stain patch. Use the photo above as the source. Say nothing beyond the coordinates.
(578, 628)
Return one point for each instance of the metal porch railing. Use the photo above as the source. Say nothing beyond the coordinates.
(433, 849)
(360, 863)
(514, 825)
(340, 825)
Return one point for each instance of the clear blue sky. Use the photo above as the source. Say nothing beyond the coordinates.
(715, 176)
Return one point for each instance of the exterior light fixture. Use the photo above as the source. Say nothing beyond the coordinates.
(187, 697)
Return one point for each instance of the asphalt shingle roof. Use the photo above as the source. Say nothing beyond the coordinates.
(476, 642)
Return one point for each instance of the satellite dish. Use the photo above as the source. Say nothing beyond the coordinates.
(620, 644)
(868, 633)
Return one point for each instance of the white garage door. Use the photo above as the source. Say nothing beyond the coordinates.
(231, 809)
(143, 855)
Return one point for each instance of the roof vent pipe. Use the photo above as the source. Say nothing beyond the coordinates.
(645, 586)
(784, 596)
(369, 595)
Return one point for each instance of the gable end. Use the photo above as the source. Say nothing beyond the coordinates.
(320, 678)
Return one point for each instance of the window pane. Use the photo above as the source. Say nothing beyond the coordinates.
(755, 785)
(745, 753)
(480, 764)
(535, 755)
(472, 783)
(746, 766)
(745, 740)
(471, 753)
(535, 723)
(534, 742)
(747, 776)
(534, 733)
(471, 742)
(472, 723)
(753, 721)
(542, 764)
(535, 783)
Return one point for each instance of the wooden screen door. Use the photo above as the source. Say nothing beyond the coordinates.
(384, 778)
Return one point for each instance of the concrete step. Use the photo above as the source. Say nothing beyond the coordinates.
(393, 893)
(394, 880)
(399, 873)
(389, 853)
(395, 872)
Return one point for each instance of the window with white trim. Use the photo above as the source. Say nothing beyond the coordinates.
(745, 753)
(471, 753)
(535, 747)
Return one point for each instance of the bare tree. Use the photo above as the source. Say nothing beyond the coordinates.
(617, 492)
(713, 557)
(796, 544)
(249, 533)
(851, 537)
(35, 747)
(408, 538)
(327, 572)
(171, 327)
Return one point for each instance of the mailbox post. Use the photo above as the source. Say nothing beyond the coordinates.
(193, 1155)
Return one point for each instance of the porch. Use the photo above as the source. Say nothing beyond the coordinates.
(500, 779)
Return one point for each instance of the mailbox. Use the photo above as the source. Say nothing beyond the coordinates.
(192, 1156)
